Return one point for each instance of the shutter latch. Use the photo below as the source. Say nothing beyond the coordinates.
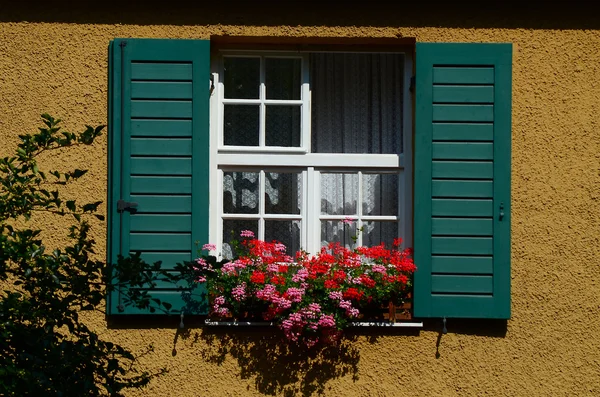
(123, 205)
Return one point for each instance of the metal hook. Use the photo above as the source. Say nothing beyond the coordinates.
(181, 325)
(444, 330)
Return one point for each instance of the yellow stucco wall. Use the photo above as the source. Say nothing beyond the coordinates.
(55, 61)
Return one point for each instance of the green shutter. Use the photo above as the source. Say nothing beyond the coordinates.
(159, 158)
(462, 180)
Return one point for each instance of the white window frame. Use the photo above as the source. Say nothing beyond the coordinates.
(241, 158)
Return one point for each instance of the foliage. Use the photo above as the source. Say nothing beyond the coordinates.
(312, 298)
(46, 349)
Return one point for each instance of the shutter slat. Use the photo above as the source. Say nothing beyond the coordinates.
(463, 75)
(160, 241)
(160, 223)
(161, 147)
(473, 189)
(161, 71)
(461, 284)
(162, 128)
(166, 204)
(168, 259)
(161, 90)
(462, 170)
(474, 113)
(164, 185)
(463, 151)
(462, 264)
(161, 109)
(461, 227)
(462, 245)
(463, 94)
(463, 132)
(458, 208)
(161, 166)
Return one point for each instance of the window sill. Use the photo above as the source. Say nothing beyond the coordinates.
(400, 324)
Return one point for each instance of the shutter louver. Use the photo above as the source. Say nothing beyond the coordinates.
(462, 180)
(159, 158)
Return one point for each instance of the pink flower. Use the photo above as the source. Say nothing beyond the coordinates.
(273, 267)
(301, 275)
(279, 247)
(352, 312)
(379, 269)
(209, 247)
(295, 294)
(239, 292)
(348, 221)
(228, 268)
(201, 279)
(247, 233)
(266, 293)
(345, 304)
(327, 321)
(336, 295)
(219, 300)
(314, 307)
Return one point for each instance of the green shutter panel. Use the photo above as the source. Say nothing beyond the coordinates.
(462, 180)
(159, 158)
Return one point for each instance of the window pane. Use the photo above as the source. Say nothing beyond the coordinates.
(240, 192)
(375, 233)
(242, 77)
(283, 126)
(286, 232)
(356, 102)
(339, 194)
(380, 194)
(231, 231)
(282, 78)
(283, 193)
(240, 126)
(338, 231)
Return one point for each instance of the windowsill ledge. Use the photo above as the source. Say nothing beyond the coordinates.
(400, 324)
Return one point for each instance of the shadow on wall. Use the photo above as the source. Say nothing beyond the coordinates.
(550, 15)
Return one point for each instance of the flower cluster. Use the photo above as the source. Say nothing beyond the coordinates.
(312, 298)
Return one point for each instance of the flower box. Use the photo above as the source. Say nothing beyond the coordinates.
(311, 298)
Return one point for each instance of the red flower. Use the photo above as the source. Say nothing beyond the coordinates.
(278, 280)
(257, 277)
(339, 275)
(367, 281)
(402, 279)
(283, 268)
(352, 293)
(331, 284)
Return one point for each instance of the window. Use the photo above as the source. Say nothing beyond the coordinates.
(288, 147)
(303, 141)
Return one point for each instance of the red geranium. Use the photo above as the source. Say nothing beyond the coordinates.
(257, 277)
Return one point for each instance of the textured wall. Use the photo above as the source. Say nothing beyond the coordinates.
(54, 60)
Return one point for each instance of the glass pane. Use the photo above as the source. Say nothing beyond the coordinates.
(283, 126)
(282, 78)
(240, 125)
(286, 232)
(339, 194)
(283, 193)
(338, 232)
(356, 102)
(375, 233)
(380, 194)
(231, 231)
(241, 78)
(240, 192)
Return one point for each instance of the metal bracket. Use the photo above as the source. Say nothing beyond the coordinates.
(181, 324)
(123, 205)
(444, 330)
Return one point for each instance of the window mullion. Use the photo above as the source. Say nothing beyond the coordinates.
(263, 110)
(261, 205)
(359, 212)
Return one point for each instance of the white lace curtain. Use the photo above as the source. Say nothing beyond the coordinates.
(356, 102)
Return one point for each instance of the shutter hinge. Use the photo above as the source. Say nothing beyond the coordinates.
(412, 84)
(123, 43)
(123, 205)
